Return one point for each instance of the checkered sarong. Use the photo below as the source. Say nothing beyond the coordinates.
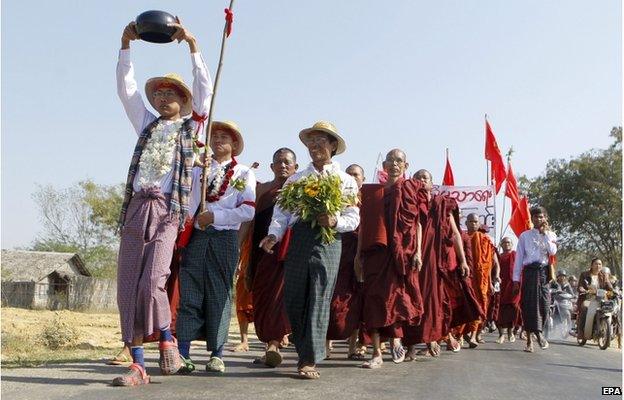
(535, 300)
(310, 271)
(206, 279)
(145, 252)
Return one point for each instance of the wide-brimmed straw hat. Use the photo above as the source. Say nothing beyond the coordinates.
(152, 85)
(233, 129)
(326, 127)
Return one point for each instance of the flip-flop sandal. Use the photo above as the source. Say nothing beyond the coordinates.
(120, 359)
(501, 339)
(356, 357)
(308, 373)
(374, 363)
(512, 338)
(433, 349)
(398, 354)
(240, 348)
(455, 349)
(272, 359)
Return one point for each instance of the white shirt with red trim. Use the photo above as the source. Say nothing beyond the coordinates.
(235, 206)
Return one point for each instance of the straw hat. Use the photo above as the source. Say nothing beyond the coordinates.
(326, 127)
(152, 85)
(233, 129)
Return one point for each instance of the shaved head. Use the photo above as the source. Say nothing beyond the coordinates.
(395, 164)
(425, 177)
(472, 222)
(423, 173)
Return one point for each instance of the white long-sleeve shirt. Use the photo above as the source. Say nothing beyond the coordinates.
(140, 116)
(533, 247)
(347, 221)
(235, 206)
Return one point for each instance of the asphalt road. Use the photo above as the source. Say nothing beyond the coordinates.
(492, 371)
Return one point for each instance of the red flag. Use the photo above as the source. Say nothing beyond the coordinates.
(493, 153)
(511, 190)
(520, 220)
(449, 179)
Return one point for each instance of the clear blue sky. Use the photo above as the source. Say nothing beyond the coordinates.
(410, 74)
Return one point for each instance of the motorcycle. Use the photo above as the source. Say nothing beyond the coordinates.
(602, 315)
(559, 322)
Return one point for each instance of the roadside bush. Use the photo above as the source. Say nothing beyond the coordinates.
(59, 334)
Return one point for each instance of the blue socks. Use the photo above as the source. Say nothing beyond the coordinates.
(137, 355)
(185, 349)
(218, 352)
(165, 335)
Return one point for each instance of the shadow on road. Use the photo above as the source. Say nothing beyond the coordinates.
(587, 367)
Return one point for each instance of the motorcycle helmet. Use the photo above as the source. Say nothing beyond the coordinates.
(562, 272)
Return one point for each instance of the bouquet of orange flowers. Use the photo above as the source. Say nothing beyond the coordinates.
(314, 195)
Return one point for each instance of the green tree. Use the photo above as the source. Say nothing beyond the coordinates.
(583, 196)
(81, 219)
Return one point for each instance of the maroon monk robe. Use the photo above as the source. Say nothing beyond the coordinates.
(388, 234)
(510, 314)
(437, 234)
(267, 270)
(345, 312)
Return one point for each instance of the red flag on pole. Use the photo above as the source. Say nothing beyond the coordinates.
(449, 179)
(511, 190)
(493, 154)
(520, 220)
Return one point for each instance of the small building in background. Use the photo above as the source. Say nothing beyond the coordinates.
(39, 279)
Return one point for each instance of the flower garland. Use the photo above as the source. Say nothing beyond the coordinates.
(220, 182)
(157, 156)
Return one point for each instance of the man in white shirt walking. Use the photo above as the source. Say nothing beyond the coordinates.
(156, 199)
(534, 269)
(311, 266)
(211, 257)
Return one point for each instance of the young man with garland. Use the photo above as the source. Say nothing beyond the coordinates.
(211, 257)
(156, 199)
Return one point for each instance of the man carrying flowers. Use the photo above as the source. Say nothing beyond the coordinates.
(156, 199)
(211, 257)
(319, 203)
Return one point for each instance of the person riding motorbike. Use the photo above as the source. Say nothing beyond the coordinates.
(589, 283)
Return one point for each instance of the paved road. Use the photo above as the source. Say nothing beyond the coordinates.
(493, 371)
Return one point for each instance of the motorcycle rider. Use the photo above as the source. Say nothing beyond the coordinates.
(562, 284)
(589, 283)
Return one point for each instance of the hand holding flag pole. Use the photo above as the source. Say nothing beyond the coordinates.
(227, 30)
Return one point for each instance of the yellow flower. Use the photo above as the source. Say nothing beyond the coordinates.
(312, 189)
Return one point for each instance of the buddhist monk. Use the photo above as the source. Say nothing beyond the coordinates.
(346, 307)
(439, 224)
(390, 256)
(484, 260)
(265, 275)
(509, 315)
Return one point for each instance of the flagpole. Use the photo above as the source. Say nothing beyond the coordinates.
(208, 153)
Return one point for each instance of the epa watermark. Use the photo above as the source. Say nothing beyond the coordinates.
(611, 391)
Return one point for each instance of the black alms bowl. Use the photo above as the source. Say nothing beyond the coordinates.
(152, 26)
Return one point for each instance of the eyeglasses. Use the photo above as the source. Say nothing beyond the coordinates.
(168, 94)
(396, 161)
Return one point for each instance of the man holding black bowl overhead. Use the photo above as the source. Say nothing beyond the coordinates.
(156, 199)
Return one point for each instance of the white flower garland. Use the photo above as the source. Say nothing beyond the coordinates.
(157, 156)
(217, 181)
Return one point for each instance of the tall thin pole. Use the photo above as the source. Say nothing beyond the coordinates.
(208, 153)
